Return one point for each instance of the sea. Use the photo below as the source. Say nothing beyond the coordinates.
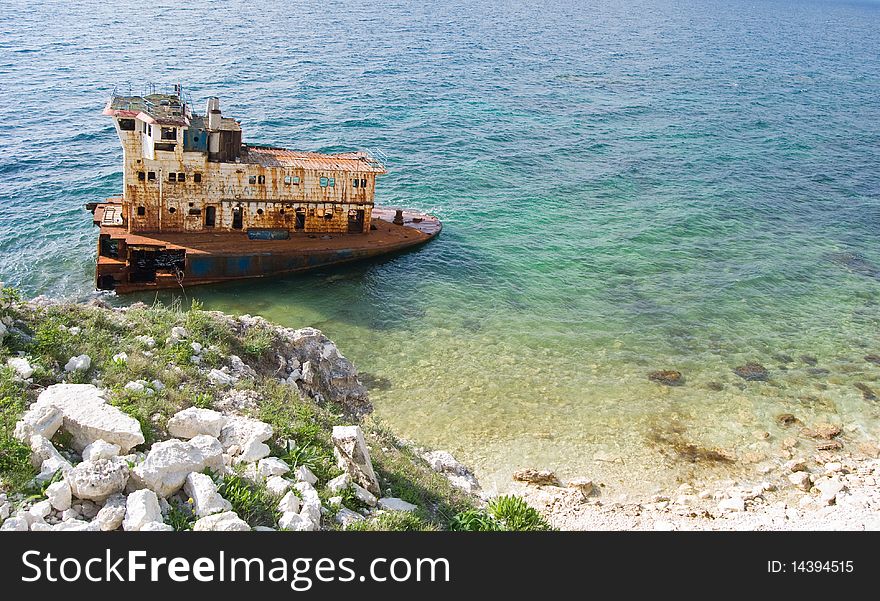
(625, 185)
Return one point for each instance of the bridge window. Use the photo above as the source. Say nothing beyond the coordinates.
(126, 124)
(355, 183)
(252, 179)
(169, 133)
(151, 176)
(261, 179)
(197, 178)
(295, 180)
(363, 183)
(181, 177)
(142, 176)
(141, 211)
(324, 182)
(332, 182)
(172, 176)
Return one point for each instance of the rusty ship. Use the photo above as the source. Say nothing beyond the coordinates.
(199, 205)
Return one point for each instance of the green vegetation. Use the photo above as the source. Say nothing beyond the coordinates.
(170, 380)
(502, 513)
(252, 502)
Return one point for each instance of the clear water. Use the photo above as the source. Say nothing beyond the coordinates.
(625, 186)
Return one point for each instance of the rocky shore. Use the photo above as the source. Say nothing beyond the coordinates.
(153, 418)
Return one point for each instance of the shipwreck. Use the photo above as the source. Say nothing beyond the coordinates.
(199, 205)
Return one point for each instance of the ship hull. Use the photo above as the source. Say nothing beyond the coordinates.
(152, 261)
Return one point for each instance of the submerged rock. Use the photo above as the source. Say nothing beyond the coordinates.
(715, 386)
(536, 477)
(875, 359)
(752, 372)
(867, 393)
(824, 431)
(809, 360)
(669, 377)
(786, 419)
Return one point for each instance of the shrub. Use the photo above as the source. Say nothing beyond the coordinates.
(252, 502)
(502, 513)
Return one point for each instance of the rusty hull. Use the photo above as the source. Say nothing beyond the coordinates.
(214, 257)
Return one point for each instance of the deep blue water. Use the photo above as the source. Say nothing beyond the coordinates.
(625, 186)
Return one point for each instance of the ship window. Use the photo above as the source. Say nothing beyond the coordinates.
(261, 179)
(126, 124)
(363, 183)
(252, 179)
(181, 177)
(192, 204)
(151, 176)
(169, 133)
(197, 178)
(332, 182)
(142, 176)
(328, 216)
(355, 182)
(141, 211)
(281, 211)
(296, 180)
(172, 210)
(324, 181)
(259, 211)
(195, 211)
(172, 176)
(288, 180)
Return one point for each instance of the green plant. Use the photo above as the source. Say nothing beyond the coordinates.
(474, 520)
(203, 400)
(502, 513)
(257, 340)
(397, 521)
(181, 516)
(252, 502)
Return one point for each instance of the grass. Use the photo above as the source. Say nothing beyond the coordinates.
(15, 465)
(397, 521)
(507, 513)
(252, 502)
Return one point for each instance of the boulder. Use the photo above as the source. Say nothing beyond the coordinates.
(87, 417)
(42, 420)
(272, 466)
(206, 500)
(278, 486)
(241, 431)
(14, 525)
(221, 378)
(457, 473)
(345, 517)
(141, 508)
(194, 421)
(221, 522)
(582, 485)
(157, 527)
(178, 333)
(363, 495)
(801, 480)
(78, 363)
(100, 449)
(339, 483)
(47, 459)
(353, 457)
(252, 451)
(732, 504)
(310, 504)
(395, 504)
(325, 373)
(97, 480)
(75, 526)
(21, 366)
(111, 515)
(289, 503)
(59, 495)
(829, 488)
(211, 450)
(304, 474)
(294, 522)
(536, 477)
(166, 466)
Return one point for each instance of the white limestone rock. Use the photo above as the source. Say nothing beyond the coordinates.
(46, 457)
(78, 363)
(272, 466)
(87, 417)
(169, 462)
(829, 488)
(111, 515)
(206, 500)
(345, 517)
(278, 486)
(294, 522)
(141, 508)
(252, 451)
(289, 503)
(239, 431)
(310, 503)
(194, 421)
(304, 474)
(14, 525)
(59, 495)
(40, 510)
(97, 480)
(156, 527)
(351, 452)
(41, 527)
(228, 521)
(339, 483)
(100, 449)
(732, 504)
(211, 450)
(395, 504)
(21, 366)
(147, 341)
(178, 333)
(3, 331)
(363, 495)
(42, 420)
(219, 377)
(74, 526)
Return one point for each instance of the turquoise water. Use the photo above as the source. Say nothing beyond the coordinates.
(625, 186)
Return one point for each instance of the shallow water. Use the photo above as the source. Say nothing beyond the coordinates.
(625, 186)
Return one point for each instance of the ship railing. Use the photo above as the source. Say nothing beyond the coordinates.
(126, 90)
(376, 158)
